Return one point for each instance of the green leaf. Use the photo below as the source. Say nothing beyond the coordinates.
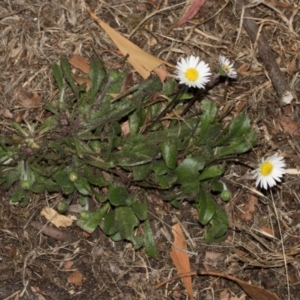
(159, 167)
(211, 172)
(57, 73)
(66, 69)
(93, 177)
(239, 128)
(186, 96)
(218, 227)
(12, 177)
(48, 106)
(77, 147)
(116, 237)
(216, 185)
(189, 169)
(169, 151)
(143, 152)
(27, 176)
(140, 210)
(18, 195)
(82, 186)
(62, 178)
(191, 188)
(83, 201)
(48, 124)
(209, 109)
(96, 145)
(40, 188)
(93, 220)
(113, 112)
(43, 184)
(205, 207)
(110, 227)
(4, 156)
(97, 74)
(126, 222)
(136, 120)
(118, 80)
(175, 203)
(166, 180)
(241, 145)
(150, 245)
(169, 87)
(141, 172)
(19, 128)
(101, 165)
(118, 196)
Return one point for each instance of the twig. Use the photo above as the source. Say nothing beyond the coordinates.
(266, 54)
(50, 231)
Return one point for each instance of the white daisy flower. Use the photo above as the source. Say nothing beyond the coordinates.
(227, 68)
(193, 72)
(269, 171)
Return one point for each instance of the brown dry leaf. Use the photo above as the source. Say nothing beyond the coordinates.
(243, 68)
(83, 80)
(190, 10)
(267, 231)
(239, 107)
(127, 83)
(229, 295)
(37, 293)
(80, 63)
(142, 61)
(161, 73)
(277, 3)
(211, 260)
(283, 5)
(76, 278)
(212, 255)
(6, 113)
(85, 234)
(125, 128)
(292, 66)
(68, 265)
(180, 258)
(13, 252)
(18, 297)
(55, 218)
(28, 100)
(249, 208)
(289, 126)
(253, 291)
(20, 116)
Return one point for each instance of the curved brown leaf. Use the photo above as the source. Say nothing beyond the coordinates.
(181, 259)
(253, 291)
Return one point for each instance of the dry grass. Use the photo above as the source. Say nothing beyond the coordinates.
(36, 34)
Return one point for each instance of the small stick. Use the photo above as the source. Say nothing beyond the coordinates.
(266, 54)
(50, 231)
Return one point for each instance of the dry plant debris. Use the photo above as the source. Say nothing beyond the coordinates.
(35, 34)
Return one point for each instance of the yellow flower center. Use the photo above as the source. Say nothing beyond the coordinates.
(191, 74)
(226, 68)
(266, 168)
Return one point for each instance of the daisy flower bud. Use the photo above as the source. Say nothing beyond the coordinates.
(226, 68)
(269, 171)
(193, 72)
(226, 195)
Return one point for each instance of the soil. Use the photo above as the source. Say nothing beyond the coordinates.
(262, 245)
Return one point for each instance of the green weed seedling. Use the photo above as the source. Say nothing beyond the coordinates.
(79, 150)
